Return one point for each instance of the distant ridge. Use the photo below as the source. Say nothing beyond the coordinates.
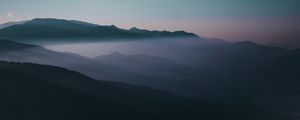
(50, 28)
(11, 24)
(10, 45)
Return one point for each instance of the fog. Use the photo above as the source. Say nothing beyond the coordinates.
(165, 64)
(178, 50)
(146, 62)
(200, 68)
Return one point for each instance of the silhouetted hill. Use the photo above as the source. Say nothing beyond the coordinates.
(226, 66)
(240, 56)
(273, 85)
(47, 28)
(32, 91)
(279, 81)
(37, 54)
(238, 90)
(6, 45)
(280, 75)
(144, 70)
(155, 72)
(150, 71)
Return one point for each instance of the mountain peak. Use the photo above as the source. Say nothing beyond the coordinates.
(134, 29)
(113, 26)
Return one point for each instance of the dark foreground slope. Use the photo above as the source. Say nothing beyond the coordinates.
(276, 84)
(37, 92)
(43, 92)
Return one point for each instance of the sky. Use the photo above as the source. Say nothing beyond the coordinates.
(262, 21)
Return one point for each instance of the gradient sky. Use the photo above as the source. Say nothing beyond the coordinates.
(263, 21)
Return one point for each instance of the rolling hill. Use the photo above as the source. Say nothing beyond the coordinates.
(35, 92)
(143, 70)
(247, 92)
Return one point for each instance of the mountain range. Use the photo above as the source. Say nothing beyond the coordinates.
(59, 29)
(143, 70)
(213, 80)
(265, 77)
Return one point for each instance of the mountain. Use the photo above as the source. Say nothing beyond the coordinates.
(84, 23)
(14, 51)
(242, 93)
(208, 73)
(273, 85)
(143, 70)
(48, 28)
(11, 24)
(162, 33)
(155, 72)
(226, 65)
(33, 91)
(239, 56)
(249, 72)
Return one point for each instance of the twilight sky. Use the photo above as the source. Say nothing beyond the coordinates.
(263, 21)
